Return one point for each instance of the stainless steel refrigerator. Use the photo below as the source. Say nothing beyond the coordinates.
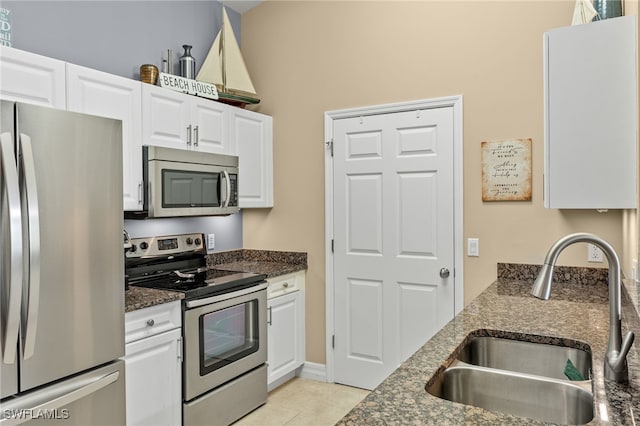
(61, 269)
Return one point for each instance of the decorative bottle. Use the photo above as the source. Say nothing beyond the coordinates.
(187, 63)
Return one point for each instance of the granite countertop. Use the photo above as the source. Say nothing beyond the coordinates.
(139, 297)
(577, 310)
(270, 263)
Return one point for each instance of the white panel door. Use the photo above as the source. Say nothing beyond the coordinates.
(35, 79)
(99, 93)
(393, 233)
(166, 118)
(210, 131)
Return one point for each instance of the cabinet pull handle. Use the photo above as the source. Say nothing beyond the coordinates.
(150, 322)
(285, 285)
(270, 318)
(140, 193)
(196, 134)
(189, 135)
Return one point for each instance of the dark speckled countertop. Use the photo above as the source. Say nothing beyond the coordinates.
(578, 310)
(270, 263)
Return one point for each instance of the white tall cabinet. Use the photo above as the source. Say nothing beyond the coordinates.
(286, 334)
(31, 78)
(99, 93)
(591, 115)
(153, 359)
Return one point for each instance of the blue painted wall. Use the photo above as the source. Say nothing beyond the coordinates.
(117, 37)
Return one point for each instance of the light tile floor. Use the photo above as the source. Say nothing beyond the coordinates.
(305, 402)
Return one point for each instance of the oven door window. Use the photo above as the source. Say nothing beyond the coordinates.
(228, 335)
(184, 188)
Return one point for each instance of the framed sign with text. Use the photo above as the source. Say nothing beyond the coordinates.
(506, 170)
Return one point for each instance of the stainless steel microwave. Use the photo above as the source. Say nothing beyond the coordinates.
(188, 183)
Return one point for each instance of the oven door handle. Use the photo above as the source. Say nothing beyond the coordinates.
(226, 296)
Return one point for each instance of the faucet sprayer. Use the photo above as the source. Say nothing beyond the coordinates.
(615, 363)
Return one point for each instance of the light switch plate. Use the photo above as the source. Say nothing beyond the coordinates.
(211, 241)
(473, 247)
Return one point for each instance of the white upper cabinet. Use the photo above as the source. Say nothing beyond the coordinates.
(210, 131)
(252, 134)
(31, 78)
(99, 93)
(165, 117)
(176, 120)
(591, 115)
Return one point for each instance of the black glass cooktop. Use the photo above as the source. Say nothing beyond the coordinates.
(201, 284)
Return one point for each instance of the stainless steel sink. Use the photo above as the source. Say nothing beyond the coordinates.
(525, 357)
(518, 377)
(539, 398)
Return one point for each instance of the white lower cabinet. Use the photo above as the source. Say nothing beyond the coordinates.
(286, 336)
(153, 359)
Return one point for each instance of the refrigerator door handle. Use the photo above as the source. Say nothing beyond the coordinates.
(10, 177)
(32, 275)
(85, 387)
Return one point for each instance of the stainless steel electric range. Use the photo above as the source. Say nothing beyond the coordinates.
(224, 326)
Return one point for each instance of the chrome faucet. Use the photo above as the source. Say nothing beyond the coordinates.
(615, 362)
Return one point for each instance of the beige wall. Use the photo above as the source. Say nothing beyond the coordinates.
(310, 57)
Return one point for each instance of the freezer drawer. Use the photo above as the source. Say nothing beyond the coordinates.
(96, 398)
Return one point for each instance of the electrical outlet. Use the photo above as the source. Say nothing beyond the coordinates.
(211, 241)
(594, 254)
(473, 247)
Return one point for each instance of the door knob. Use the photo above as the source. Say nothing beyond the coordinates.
(444, 273)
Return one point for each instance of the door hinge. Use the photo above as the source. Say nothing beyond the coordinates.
(332, 246)
(333, 341)
(330, 146)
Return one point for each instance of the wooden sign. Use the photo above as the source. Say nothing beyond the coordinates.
(187, 85)
(506, 170)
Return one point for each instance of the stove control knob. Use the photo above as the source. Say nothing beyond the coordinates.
(189, 241)
(144, 245)
(197, 241)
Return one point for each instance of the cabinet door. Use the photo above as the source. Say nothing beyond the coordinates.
(153, 380)
(98, 93)
(591, 115)
(31, 78)
(252, 134)
(285, 334)
(166, 118)
(210, 120)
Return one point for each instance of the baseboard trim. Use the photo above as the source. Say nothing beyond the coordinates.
(314, 371)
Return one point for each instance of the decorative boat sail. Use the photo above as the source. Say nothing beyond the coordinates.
(225, 68)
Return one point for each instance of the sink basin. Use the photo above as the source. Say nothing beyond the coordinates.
(524, 357)
(539, 398)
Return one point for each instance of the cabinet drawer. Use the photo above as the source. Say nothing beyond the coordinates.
(153, 320)
(285, 284)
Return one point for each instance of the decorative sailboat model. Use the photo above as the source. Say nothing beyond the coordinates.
(225, 68)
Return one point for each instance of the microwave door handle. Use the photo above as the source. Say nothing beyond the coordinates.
(226, 176)
(11, 183)
(30, 316)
